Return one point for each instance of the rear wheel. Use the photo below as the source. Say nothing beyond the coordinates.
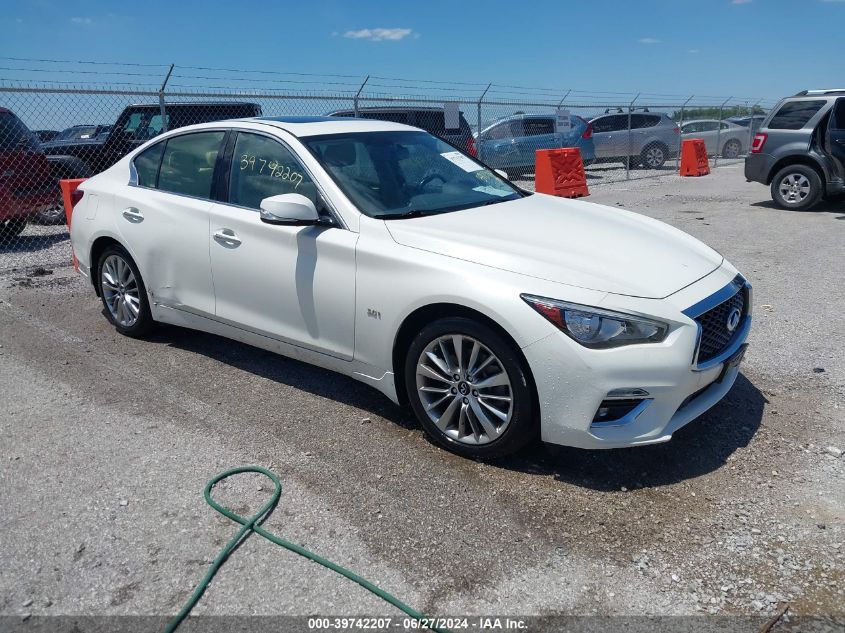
(732, 149)
(654, 156)
(796, 187)
(12, 227)
(123, 293)
(470, 389)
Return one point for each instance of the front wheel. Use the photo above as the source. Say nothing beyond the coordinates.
(796, 187)
(470, 389)
(123, 293)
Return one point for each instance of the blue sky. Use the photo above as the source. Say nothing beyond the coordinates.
(749, 48)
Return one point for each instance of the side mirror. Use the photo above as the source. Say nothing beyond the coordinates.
(289, 208)
(502, 173)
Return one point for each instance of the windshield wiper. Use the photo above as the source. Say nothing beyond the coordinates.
(412, 213)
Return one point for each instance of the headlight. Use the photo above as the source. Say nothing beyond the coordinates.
(596, 328)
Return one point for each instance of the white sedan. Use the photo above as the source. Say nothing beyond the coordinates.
(379, 251)
(726, 138)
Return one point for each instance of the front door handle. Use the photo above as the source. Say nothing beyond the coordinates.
(227, 238)
(133, 215)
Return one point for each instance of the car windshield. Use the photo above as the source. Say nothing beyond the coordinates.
(404, 174)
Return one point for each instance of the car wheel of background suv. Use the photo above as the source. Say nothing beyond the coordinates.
(731, 149)
(796, 187)
(654, 156)
(123, 293)
(470, 389)
(12, 228)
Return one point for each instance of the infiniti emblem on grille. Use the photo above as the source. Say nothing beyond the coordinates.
(733, 319)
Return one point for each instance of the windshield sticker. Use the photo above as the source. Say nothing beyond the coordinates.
(493, 191)
(461, 161)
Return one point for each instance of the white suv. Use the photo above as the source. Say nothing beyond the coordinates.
(379, 251)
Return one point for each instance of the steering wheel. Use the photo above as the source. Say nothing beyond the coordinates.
(429, 178)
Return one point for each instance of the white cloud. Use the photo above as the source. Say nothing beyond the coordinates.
(81, 20)
(378, 35)
(648, 40)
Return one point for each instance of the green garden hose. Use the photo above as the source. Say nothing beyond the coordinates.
(253, 524)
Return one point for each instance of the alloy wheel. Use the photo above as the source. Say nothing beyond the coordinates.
(464, 389)
(732, 150)
(794, 188)
(120, 291)
(654, 157)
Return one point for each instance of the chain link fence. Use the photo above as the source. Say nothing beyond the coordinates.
(54, 129)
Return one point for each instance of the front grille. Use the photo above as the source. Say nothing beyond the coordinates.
(715, 335)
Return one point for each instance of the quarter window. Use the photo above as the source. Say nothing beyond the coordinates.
(187, 166)
(147, 164)
(795, 114)
(262, 167)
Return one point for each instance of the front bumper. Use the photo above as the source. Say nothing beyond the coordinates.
(573, 381)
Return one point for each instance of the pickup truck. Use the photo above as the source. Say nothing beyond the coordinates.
(81, 158)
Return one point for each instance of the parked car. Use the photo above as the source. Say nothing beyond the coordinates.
(432, 120)
(79, 133)
(799, 150)
(382, 252)
(752, 121)
(27, 185)
(652, 140)
(511, 143)
(722, 137)
(46, 135)
(92, 151)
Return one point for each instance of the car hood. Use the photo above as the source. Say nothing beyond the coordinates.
(566, 241)
(56, 147)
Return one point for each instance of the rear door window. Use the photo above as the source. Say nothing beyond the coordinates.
(795, 114)
(187, 166)
(537, 127)
(433, 121)
(393, 117)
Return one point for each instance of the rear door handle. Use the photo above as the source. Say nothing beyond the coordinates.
(227, 238)
(133, 215)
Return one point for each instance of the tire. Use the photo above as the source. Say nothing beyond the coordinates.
(654, 156)
(796, 187)
(12, 228)
(732, 149)
(449, 410)
(123, 293)
(53, 215)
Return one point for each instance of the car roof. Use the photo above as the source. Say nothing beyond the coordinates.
(391, 109)
(308, 125)
(193, 104)
(706, 121)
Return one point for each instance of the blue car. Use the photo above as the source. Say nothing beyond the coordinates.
(510, 143)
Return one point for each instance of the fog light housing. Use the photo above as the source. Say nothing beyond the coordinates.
(621, 406)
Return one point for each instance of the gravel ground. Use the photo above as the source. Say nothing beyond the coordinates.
(106, 443)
